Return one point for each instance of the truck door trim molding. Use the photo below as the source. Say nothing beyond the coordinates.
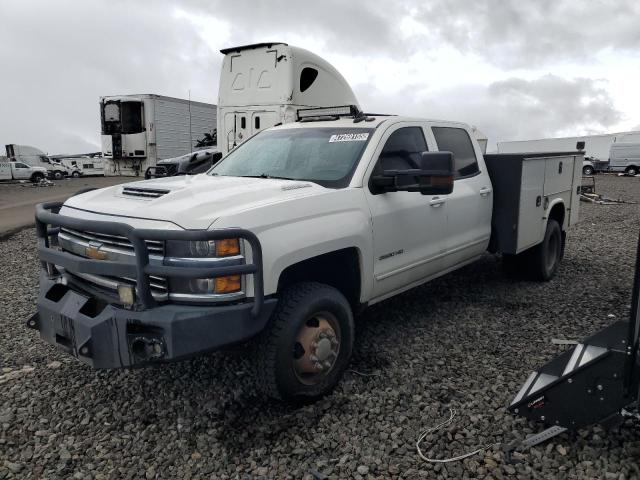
(383, 276)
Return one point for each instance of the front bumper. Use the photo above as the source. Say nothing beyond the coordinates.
(113, 337)
(99, 332)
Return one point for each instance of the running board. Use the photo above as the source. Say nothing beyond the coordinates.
(583, 385)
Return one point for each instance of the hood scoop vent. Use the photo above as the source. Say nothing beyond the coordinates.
(144, 192)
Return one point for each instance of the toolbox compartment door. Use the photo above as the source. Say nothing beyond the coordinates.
(558, 174)
(530, 228)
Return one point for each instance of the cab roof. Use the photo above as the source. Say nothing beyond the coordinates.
(375, 120)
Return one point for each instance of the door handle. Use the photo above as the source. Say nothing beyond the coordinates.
(484, 191)
(436, 202)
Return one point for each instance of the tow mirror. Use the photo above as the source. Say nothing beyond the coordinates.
(433, 177)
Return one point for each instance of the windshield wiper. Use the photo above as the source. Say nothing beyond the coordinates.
(265, 175)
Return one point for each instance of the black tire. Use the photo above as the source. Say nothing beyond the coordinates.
(544, 259)
(58, 175)
(75, 174)
(587, 170)
(37, 177)
(278, 347)
(631, 171)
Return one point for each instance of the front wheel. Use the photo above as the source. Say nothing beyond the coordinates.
(75, 174)
(37, 177)
(545, 258)
(587, 170)
(307, 345)
(58, 175)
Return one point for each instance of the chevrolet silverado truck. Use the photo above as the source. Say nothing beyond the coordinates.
(287, 238)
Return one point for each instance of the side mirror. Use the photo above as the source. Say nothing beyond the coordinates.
(433, 177)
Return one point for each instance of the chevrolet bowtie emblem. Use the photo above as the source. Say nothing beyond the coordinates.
(93, 251)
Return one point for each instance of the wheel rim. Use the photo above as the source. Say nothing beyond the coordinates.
(317, 348)
(553, 251)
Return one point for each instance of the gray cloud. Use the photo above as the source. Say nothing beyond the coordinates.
(509, 109)
(56, 63)
(356, 27)
(531, 34)
(62, 59)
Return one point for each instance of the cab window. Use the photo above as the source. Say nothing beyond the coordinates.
(402, 150)
(458, 142)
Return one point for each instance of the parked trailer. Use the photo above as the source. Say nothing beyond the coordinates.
(139, 130)
(264, 84)
(596, 147)
(84, 166)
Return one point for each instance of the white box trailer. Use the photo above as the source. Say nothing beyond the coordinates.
(596, 147)
(264, 84)
(84, 166)
(139, 130)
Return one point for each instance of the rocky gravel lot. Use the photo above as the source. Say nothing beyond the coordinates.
(465, 341)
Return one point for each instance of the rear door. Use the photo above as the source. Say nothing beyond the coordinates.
(469, 206)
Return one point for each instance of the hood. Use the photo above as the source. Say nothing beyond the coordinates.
(191, 202)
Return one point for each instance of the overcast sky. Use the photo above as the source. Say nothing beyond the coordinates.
(515, 69)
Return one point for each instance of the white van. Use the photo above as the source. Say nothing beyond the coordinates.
(264, 84)
(625, 157)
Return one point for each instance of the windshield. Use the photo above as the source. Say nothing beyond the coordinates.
(327, 156)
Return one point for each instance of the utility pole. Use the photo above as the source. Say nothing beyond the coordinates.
(190, 137)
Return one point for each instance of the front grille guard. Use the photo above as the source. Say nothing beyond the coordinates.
(49, 221)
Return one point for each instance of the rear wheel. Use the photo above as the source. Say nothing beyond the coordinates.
(545, 258)
(307, 345)
(58, 175)
(631, 170)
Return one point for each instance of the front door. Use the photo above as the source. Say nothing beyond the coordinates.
(408, 228)
(21, 171)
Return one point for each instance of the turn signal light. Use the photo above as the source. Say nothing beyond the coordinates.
(228, 284)
(227, 247)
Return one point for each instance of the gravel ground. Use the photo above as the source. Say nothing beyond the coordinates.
(465, 341)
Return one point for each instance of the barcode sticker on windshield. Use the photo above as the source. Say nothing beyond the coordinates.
(349, 137)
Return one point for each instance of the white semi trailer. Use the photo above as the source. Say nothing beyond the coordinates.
(595, 146)
(139, 130)
(264, 84)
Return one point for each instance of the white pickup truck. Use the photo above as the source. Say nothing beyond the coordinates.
(21, 171)
(286, 238)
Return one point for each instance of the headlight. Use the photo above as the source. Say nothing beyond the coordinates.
(207, 286)
(226, 247)
(181, 251)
